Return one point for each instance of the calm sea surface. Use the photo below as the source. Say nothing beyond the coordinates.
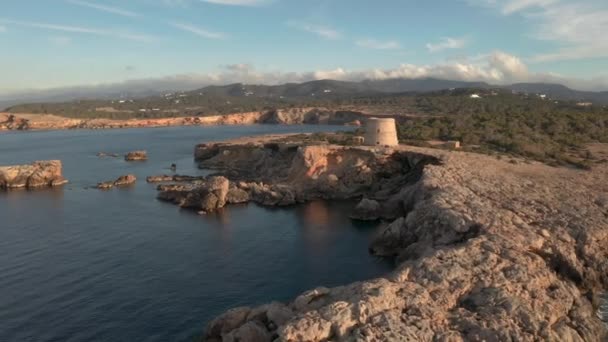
(80, 264)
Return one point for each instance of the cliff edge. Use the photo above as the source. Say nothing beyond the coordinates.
(486, 249)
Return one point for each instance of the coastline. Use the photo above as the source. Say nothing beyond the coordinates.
(39, 122)
(486, 249)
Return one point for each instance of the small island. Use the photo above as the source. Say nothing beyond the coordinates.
(36, 175)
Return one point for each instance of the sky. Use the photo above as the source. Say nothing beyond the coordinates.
(169, 44)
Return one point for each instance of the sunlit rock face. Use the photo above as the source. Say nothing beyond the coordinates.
(485, 249)
(38, 174)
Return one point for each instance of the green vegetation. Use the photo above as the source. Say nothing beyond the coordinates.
(555, 133)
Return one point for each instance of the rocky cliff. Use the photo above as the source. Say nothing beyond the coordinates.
(38, 174)
(11, 122)
(279, 116)
(486, 249)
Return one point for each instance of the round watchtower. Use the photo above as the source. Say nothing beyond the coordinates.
(381, 132)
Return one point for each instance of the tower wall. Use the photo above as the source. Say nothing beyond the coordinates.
(381, 132)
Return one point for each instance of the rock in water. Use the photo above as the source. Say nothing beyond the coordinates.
(367, 210)
(213, 194)
(136, 156)
(125, 180)
(106, 154)
(204, 196)
(120, 181)
(39, 174)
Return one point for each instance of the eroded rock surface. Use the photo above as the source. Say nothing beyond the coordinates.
(281, 174)
(205, 195)
(290, 116)
(121, 181)
(486, 250)
(136, 156)
(11, 122)
(36, 175)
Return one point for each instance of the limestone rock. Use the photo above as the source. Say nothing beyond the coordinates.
(119, 182)
(136, 156)
(486, 249)
(236, 196)
(206, 196)
(227, 322)
(125, 180)
(249, 332)
(310, 299)
(38, 174)
(366, 210)
(279, 314)
(389, 240)
(307, 328)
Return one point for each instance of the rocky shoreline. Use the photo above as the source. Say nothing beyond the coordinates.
(486, 249)
(25, 122)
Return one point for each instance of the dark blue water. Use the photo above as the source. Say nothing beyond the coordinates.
(81, 264)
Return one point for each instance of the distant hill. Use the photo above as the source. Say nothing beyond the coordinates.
(561, 92)
(331, 88)
(244, 96)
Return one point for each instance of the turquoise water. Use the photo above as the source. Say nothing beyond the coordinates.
(79, 264)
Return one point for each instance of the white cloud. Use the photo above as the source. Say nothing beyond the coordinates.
(378, 45)
(199, 31)
(576, 27)
(320, 30)
(497, 68)
(512, 6)
(447, 43)
(511, 67)
(237, 2)
(82, 30)
(2, 29)
(103, 8)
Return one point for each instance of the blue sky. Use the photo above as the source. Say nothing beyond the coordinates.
(63, 43)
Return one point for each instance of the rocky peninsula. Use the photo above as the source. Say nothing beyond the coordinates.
(486, 249)
(312, 115)
(36, 175)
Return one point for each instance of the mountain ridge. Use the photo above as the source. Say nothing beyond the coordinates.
(331, 89)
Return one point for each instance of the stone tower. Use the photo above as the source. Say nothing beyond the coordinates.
(381, 132)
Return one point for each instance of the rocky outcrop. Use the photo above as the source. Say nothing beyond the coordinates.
(286, 173)
(136, 156)
(203, 196)
(367, 210)
(295, 116)
(119, 182)
(38, 174)
(106, 154)
(486, 250)
(11, 122)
